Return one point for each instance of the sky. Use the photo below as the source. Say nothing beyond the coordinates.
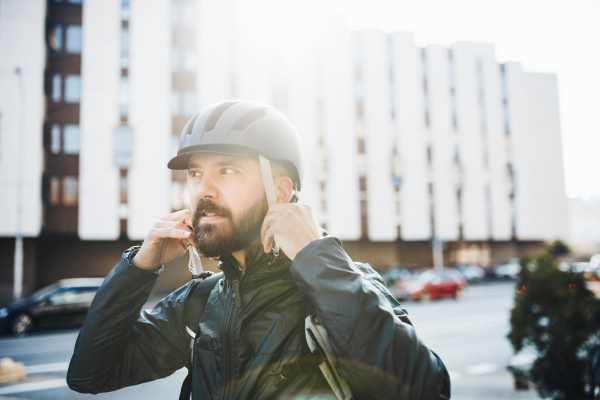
(559, 37)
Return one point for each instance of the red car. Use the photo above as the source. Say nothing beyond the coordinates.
(432, 284)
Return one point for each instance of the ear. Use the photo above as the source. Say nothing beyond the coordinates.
(283, 189)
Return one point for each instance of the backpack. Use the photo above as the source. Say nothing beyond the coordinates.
(317, 342)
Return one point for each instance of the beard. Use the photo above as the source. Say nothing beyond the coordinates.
(224, 237)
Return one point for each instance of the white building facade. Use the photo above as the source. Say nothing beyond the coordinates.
(404, 145)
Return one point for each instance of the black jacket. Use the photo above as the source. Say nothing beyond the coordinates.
(243, 346)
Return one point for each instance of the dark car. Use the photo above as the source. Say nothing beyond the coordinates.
(395, 273)
(432, 284)
(64, 302)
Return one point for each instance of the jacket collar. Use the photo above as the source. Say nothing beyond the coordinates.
(258, 264)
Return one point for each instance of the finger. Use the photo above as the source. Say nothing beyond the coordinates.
(280, 207)
(269, 237)
(183, 215)
(173, 224)
(269, 219)
(170, 232)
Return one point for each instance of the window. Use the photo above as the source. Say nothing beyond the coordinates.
(55, 139)
(73, 39)
(56, 88)
(56, 38)
(175, 65)
(175, 14)
(54, 191)
(125, 10)
(174, 145)
(124, 96)
(189, 60)
(70, 192)
(74, 1)
(123, 146)
(123, 189)
(189, 14)
(175, 103)
(72, 88)
(125, 48)
(358, 90)
(71, 139)
(189, 103)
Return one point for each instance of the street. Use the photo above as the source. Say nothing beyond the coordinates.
(469, 335)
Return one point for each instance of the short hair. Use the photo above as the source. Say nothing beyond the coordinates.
(279, 170)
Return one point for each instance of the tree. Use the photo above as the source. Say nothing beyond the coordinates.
(556, 315)
(558, 248)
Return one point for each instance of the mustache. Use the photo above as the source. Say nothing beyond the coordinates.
(209, 207)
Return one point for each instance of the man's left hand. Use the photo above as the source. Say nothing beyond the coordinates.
(293, 226)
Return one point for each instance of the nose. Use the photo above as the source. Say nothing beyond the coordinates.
(205, 188)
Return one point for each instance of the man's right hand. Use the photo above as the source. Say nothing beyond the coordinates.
(166, 241)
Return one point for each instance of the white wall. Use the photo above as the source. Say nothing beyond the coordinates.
(214, 52)
(342, 191)
(541, 204)
(497, 150)
(474, 205)
(300, 64)
(150, 117)
(253, 54)
(442, 144)
(99, 116)
(378, 143)
(410, 136)
(22, 45)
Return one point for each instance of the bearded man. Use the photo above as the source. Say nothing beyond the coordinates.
(252, 338)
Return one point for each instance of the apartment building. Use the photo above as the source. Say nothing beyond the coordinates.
(410, 151)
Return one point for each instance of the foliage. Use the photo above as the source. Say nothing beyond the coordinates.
(556, 315)
(558, 248)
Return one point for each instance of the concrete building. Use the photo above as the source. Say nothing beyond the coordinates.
(584, 226)
(406, 147)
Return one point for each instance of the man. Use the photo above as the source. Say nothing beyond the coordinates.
(252, 341)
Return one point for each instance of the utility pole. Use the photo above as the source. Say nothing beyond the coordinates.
(438, 254)
(18, 257)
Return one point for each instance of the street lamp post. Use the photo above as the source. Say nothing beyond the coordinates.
(18, 257)
(438, 254)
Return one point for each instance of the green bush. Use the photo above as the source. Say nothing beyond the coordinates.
(556, 315)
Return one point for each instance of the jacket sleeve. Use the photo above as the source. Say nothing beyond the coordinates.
(378, 350)
(118, 346)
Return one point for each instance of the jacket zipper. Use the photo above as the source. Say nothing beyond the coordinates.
(230, 338)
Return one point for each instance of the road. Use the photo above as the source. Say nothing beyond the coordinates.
(469, 335)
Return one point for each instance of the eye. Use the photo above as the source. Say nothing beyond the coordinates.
(194, 174)
(227, 171)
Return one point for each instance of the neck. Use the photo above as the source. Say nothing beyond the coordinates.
(240, 258)
(240, 255)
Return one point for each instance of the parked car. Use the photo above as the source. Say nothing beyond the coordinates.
(581, 266)
(395, 273)
(472, 273)
(593, 283)
(595, 261)
(64, 302)
(508, 270)
(432, 284)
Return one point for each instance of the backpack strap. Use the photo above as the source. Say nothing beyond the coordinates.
(318, 342)
(193, 309)
(196, 300)
(317, 354)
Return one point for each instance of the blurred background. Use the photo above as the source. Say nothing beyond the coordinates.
(436, 133)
